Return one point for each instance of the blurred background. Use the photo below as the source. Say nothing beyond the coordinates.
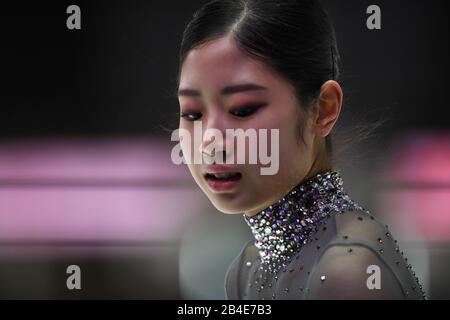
(86, 176)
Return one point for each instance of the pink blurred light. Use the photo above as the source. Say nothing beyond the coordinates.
(421, 166)
(90, 158)
(421, 157)
(135, 213)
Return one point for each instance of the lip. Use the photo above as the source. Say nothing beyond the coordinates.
(218, 185)
(220, 169)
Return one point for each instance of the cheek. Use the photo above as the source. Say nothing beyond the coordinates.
(293, 154)
(187, 143)
(286, 145)
(287, 132)
(195, 172)
(187, 146)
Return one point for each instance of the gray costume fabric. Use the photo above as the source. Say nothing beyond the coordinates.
(317, 243)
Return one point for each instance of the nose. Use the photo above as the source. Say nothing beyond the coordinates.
(216, 151)
(215, 127)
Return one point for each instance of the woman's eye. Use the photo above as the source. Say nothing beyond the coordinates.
(191, 116)
(246, 110)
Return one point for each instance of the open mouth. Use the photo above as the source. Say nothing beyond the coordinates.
(228, 176)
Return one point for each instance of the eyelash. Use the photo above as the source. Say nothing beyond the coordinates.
(253, 108)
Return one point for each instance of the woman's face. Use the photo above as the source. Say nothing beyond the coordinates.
(206, 71)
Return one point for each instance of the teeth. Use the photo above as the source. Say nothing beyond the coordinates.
(224, 175)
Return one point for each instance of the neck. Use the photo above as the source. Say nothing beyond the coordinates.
(283, 227)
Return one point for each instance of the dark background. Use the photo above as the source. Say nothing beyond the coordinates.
(116, 77)
(117, 74)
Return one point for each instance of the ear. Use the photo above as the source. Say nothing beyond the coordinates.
(328, 106)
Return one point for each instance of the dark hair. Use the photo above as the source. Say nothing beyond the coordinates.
(294, 37)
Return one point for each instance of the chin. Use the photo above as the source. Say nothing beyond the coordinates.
(227, 209)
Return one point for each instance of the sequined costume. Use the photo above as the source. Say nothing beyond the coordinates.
(317, 243)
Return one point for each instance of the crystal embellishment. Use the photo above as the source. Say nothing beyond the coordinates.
(283, 228)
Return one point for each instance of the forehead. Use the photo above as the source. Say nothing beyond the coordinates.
(220, 62)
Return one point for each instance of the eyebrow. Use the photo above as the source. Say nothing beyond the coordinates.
(225, 91)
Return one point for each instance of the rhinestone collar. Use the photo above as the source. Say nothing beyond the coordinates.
(284, 227)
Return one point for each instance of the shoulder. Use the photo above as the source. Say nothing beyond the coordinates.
(360, 261)
(352, 272)
(232, 281)
(358, 225)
